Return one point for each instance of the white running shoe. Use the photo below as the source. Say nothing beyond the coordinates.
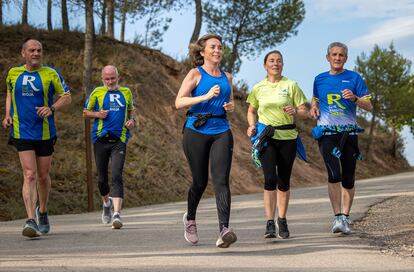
(116, 221)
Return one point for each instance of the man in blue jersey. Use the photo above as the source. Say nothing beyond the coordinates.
(30, 110)
(336, 95)
(112, 107)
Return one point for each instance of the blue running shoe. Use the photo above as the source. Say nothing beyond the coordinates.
(107, 212)
(346, 225)
(337, 225)
(30, 229)
(42, 221)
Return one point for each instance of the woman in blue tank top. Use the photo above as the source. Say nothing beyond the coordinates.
(207, 90)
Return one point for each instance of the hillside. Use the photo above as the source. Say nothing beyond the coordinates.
(155, 170)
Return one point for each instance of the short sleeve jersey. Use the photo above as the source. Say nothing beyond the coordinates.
(270, 98)
(334, 109)
(118, 103)
(29, 90)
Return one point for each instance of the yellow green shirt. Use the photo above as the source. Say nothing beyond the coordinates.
(269, 99)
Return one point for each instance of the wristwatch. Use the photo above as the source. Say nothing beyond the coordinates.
(53, 109)
(355, 100)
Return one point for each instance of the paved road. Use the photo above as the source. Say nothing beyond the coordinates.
(152, 238)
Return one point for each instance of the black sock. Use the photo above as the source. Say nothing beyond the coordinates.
(338, 214)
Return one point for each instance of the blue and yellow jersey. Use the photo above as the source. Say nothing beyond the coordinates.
(30, 90)
(334, 109)
(118, 103)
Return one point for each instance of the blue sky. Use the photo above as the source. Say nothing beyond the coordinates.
(358, 23)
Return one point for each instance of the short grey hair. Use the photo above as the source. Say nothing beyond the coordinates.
(110, 67)
(337, 44)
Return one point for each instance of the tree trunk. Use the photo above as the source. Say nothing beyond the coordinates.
(87, 86)
(371, 134)
(65, 19)
(233, 58)
(198, 22)
(123, 19)
(102, 31)
(111, 18)
(49, 15)
(24, 13)
(394, 149)
(1, 12)
(371, 127)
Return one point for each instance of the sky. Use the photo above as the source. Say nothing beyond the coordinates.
(358, 23)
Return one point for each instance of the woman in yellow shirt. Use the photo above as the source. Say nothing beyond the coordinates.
(276, 101)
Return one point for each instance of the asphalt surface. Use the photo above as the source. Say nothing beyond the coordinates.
(152, 238)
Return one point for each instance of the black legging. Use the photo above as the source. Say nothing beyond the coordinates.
(277, 160)
(116, 152)
(343, 169)
(199, 149)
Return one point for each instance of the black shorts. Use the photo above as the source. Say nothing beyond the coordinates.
(42, 148)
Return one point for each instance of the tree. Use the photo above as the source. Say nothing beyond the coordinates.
(65, 19)
(110, 9)
(24, 13)
(156, 24)
(1, 12)
(49, 15)
(133, 8)
(102, 14)
(387, 76)
(87, 85)
(251, 26)
(198, 22)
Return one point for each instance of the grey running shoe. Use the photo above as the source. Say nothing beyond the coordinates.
(42, 221)
(270, 229)
(116, 221)
(283, 228)
(107, 212)
(30, 229)
(346, 229)
(226, 238)
(337, 225)
(190, 230)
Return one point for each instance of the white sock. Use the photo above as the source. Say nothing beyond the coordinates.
(107, 204)
(117, 213)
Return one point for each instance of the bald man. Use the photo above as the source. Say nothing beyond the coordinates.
(112, 107)
(30, 111)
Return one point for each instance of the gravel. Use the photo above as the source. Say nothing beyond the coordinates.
(389, 225)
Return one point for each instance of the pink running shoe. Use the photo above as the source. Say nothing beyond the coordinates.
(226, 238)
(190, 230)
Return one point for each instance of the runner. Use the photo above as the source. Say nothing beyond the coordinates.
(336, 95)
(30, 113)
(113, 109)
(207, 90)
(277, 101)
